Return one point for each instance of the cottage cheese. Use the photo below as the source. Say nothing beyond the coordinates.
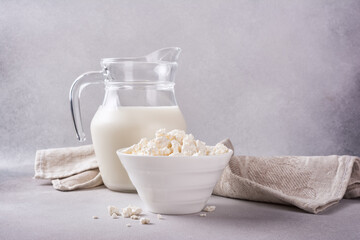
(131, 211)
(174, 143)
(113, 210)
(144, 220)
(135, 217)
(209, 208)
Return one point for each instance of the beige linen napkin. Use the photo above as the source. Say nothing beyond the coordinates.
(311, 183)
(69, 168)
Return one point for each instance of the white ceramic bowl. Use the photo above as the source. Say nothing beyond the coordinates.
(174, 185)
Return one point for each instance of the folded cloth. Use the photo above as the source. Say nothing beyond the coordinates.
(68, 168)
(311, 183)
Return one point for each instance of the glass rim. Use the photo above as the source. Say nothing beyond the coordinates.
(133, 60)
(139, 83)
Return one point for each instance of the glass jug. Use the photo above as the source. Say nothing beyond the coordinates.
(139, 99)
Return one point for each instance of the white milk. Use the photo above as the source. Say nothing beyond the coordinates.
(112, 129)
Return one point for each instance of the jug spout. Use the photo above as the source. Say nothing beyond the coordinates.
(170, 54)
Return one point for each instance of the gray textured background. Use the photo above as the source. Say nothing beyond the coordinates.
(277, 77)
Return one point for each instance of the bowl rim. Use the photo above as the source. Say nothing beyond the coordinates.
(119, 152)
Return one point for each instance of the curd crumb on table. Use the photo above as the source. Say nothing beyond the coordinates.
(95, 217)
(209, 208)
(130, 211)
(135, 217)
(126, 212)
(174, 143)
(112, 210)
(159, 216)
(144, 220)
(202, 214)
(114, 216)
(136, 210)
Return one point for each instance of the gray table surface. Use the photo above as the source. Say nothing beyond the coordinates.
(32, 209)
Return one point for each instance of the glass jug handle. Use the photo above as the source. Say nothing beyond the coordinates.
(79, 84)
